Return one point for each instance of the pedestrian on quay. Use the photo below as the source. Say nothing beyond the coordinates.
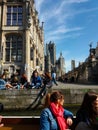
(54, 116)
(54, 78)
(87, 115)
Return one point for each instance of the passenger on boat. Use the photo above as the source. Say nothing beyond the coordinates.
(36, 80)
(55, 117)
(1, 124)
(87, 115)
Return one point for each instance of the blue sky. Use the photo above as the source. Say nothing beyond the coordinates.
(72, 25)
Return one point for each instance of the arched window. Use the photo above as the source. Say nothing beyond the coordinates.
(13, 48)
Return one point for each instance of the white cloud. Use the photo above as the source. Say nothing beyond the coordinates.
(62, 30)
(56, 38)
(57, 10)
(85, 11)
(38, 4)
(62, 33)
(76, 1)
(56, 22)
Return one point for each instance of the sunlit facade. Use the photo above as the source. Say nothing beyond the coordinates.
(21, 37)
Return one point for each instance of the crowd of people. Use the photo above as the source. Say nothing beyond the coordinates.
(21, 82)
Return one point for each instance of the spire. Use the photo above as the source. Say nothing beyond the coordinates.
(90, 45)
(42, 25)
(60, 54)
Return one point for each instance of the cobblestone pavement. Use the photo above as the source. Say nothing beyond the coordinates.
(74, 86)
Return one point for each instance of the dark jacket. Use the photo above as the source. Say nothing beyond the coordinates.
(82, 116)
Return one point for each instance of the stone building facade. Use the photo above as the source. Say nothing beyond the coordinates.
(21, 37)
(86, 72)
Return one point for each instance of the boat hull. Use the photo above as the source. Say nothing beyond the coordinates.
(20, 123)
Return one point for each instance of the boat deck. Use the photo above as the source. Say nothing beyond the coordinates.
(20, 123)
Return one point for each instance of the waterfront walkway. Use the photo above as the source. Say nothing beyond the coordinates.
(74, 86)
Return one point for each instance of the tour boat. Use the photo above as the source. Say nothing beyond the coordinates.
(20, 123)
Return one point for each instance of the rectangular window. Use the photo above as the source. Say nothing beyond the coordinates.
(14, 48)
(14, 15)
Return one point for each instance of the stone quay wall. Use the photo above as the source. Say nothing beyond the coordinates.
(21, 99)
(17, 99)
(74, 96)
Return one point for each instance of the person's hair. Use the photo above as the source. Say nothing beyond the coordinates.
(55, 96)
(47, 75)
(24, 76)
(87, 103)
(47, 100)
(35, 71)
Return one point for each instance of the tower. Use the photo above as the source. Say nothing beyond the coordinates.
(60, 66)
(72, 64)
(51, 48)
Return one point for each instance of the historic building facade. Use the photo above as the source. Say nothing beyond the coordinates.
(21, 37)
(86, 72)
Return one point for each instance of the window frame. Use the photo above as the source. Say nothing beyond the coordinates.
(12, 48)
(14, 15)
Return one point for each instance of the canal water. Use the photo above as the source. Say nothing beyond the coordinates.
(35, 112)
